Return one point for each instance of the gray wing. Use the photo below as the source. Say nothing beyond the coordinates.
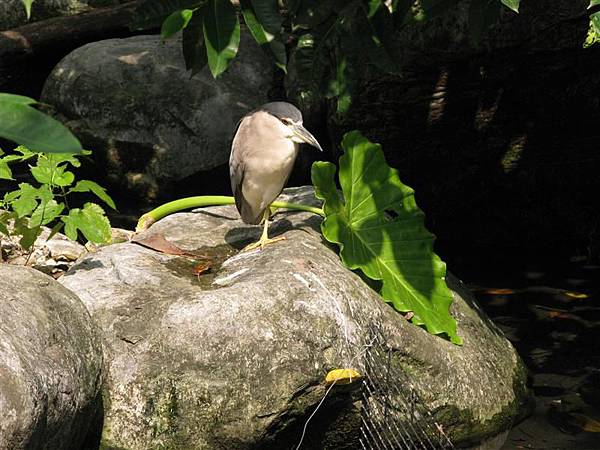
(236, 174)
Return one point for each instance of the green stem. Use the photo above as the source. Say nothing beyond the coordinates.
(208, 200)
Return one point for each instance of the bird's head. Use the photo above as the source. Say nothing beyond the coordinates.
(290, 119)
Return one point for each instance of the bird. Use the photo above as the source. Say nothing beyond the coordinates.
(263, 152)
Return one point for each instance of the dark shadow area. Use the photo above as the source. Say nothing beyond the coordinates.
(285, 432)
(211, 214)
(85, 264)
(240, 237)
(94, 433)
(549, 308)
(500, 149)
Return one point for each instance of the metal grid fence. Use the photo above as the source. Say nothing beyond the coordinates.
(393, 416)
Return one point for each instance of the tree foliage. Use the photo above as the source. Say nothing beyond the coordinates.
(326, 38)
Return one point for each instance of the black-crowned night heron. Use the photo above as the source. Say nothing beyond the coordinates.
(263, 152)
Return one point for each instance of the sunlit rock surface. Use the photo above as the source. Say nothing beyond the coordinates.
(132, 102)
(50, 363)
(236, 357)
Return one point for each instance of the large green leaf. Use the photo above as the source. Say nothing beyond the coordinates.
(96, 189)
(5, 172)
(259, 25)
(380, 231)
(482, 15)
(194, 50)
(45, 213)
(25, 199)
(13, 98)
(27, 4)
(436, 8)
(312, 64)
(221, 34)
(377, 36)
(91, 221)
(29, 234)
(512, 4)
(267, 12)
(21, 123)
(176, 22)
(47, 171)
(312, 13)
(152, 13)
(595, 22)
(593, 36)
(340, 87)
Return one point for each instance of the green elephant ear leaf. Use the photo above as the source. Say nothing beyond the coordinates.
(380, 230)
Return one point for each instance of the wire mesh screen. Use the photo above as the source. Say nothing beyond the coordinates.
(393, 416)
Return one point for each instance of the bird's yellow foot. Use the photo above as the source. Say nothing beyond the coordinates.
(262, 243)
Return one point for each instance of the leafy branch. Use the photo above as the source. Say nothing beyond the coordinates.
(327, 39)
(25, 210)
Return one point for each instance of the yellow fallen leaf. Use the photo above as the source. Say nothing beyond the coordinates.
(342, 376)
(575, 294)
(587, 423)
(499, 291)
(559, 315)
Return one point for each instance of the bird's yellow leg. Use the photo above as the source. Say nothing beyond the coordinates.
(264, 238)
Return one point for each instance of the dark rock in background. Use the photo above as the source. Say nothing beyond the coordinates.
(151, 125)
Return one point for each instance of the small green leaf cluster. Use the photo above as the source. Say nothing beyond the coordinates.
(329, 39)
(26, 209)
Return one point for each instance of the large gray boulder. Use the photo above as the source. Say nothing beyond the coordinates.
(132, 101)
(50, 364)
(236, 358)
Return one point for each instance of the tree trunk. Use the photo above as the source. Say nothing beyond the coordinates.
(28, 53)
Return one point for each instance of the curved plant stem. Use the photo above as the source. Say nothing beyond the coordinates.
(208, 200)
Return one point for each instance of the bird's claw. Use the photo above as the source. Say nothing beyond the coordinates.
(262, 243)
